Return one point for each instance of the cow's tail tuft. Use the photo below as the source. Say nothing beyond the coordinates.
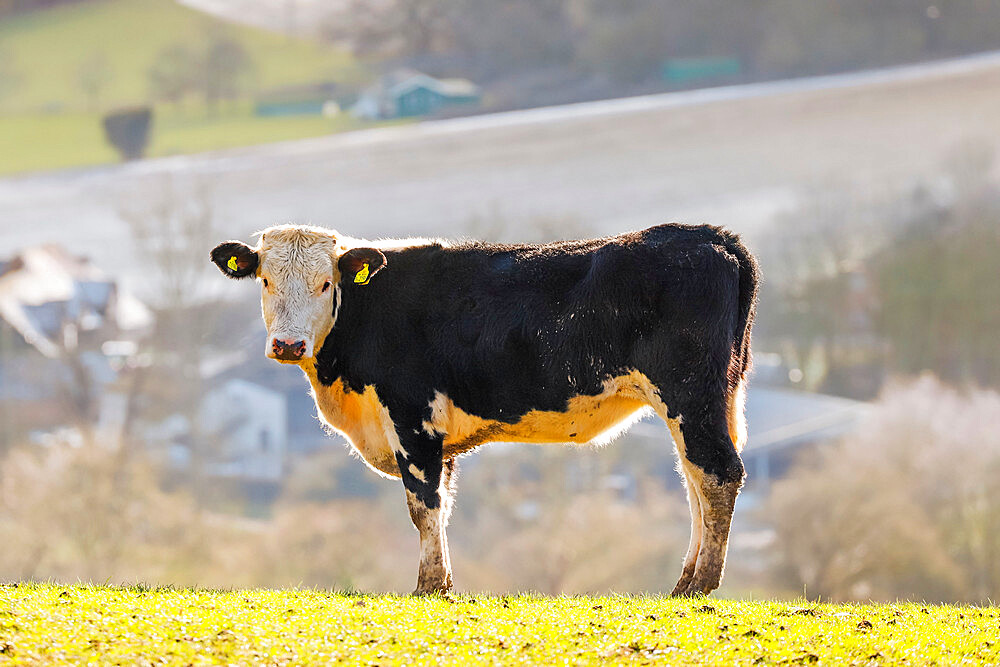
(739, 362)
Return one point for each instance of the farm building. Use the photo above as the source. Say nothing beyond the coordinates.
(64, 326)
(301, 100)
(406, 93)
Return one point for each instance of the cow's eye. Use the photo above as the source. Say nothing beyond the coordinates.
(326, 285)
(265, 283)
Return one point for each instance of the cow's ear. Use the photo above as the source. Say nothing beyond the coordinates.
(235, 259)
(360, 264)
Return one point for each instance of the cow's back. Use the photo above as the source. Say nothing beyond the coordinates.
(504, 330)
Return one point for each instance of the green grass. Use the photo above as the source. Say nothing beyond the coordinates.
(46, 623)
(29, 142)
(33, 142)
(45, 119)
(49, 46)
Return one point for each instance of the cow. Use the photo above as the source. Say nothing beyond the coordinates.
(419, 351)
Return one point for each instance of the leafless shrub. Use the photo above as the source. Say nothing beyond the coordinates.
(172, 224)
(584, 542)
(90, 514)
(908, 507)
(350, 544)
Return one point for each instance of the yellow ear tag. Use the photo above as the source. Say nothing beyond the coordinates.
(233, 266)
(363, 276)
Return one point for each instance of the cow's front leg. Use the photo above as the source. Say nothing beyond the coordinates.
(428, 480)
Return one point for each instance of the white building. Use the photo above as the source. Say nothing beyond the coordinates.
(247, 424)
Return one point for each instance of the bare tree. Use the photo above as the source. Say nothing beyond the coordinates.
(93, 75)
(173, 74)
(173, 225)
(395, 28)
(10, 76)
(224, 68)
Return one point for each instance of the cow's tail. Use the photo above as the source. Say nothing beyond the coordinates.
(739, 362)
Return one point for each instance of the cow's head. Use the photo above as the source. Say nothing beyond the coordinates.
(300, 270)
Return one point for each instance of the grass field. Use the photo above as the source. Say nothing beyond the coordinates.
(46, 119)
(46, 623)
(48, 47)
(36, 142)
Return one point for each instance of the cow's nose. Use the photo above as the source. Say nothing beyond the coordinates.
(288, 350)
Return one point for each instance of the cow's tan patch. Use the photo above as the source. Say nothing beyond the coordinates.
(736, 416)
(587, 419)
(361, 418)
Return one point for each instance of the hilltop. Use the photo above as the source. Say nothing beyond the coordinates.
(48, 120)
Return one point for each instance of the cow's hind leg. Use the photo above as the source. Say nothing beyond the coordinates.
(694, 500)
(694, 545)
(713, 468)
(428, 481)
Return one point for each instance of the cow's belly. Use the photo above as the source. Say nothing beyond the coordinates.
(596, 419)
(363, 420)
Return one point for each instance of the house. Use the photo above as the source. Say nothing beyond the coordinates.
(406, 93)
(246, 423)
(56, 301)
(63, 326)
(703, 70)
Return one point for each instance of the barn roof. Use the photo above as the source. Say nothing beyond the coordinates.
(403, 80)
(45, 288)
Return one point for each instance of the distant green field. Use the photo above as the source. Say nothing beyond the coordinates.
(73, 625)
(45, 121)
(34, 142)
(49, 46)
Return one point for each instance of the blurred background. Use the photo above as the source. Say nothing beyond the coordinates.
(144, 436)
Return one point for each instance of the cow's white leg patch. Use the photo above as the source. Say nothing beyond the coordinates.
(435, 564)
(691, 483)
(694, 544)
(710, 524)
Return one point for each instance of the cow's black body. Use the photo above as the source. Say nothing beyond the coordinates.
(506, 329)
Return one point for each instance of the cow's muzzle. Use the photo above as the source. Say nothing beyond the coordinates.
(287, 350)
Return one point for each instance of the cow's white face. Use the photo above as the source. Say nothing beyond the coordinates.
(300, 270)
(299, 283)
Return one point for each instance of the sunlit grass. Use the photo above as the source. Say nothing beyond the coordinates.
(41, 623)
(179, 132)
(29, 142)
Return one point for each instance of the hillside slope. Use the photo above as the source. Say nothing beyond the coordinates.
(48, 49)
(41, 623)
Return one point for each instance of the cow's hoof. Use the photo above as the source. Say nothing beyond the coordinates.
(687, 592)
(430, 590)
(437, 587)
(682, 584)
(698, 587)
